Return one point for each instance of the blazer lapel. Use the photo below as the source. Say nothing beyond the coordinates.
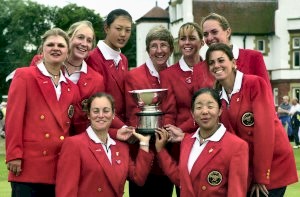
(46, 86)
(185, 152)
(208, 153)
(99, 154)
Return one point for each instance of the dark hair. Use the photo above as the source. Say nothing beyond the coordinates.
(190, 27)
(214, 93)
(100, 95)
(221, 19)
(111, 17)
(219, 47)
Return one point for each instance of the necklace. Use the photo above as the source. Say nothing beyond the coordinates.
(73, 64)
(54, 75)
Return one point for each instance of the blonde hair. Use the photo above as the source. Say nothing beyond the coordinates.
(53, 32)
(78, 25)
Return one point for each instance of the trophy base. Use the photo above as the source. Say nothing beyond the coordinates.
(145, 131)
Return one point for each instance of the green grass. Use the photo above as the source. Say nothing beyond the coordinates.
(292, 190)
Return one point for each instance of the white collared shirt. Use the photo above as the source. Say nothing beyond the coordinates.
(183, 65)
(106, 146)
(109, 53)
(236, 87)
(235, 51)
(151, 68)
(76, 75)
(197, 148)
(62, 78)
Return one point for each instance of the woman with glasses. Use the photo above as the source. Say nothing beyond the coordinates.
(159, 45)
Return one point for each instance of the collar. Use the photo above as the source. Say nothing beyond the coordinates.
(92, 135)
(42, 68)
(235, 51)
(215, 137)
(109, 53)
(84, 67)
(151, 68)
(183, 65)
(236, 86)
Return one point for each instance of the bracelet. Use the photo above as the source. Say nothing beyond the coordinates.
(144, 144)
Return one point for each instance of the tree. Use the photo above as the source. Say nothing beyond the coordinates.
(72, 13)
(21, 25)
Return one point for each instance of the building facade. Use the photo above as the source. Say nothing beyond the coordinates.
(269, 26)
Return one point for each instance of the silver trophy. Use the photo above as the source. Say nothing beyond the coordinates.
(150, 116)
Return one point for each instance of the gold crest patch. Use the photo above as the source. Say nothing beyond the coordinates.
(71, 111)
(214, 178)
(248, 119)
(84, 105)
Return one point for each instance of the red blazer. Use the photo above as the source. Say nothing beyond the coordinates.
(228, 158)
(251, 114)
(177, 105)
(36, 124)
(113, 83)
(90, 173)
(248, 62)
(89, 83)
(137, 78)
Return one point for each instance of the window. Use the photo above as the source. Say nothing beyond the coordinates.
(296, 93)
(275, 95)
(261, 45)
(296, 58)
(296, 43)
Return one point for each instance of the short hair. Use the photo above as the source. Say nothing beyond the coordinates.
(111, 17)
(190, 27)
(100, 95)
(159, 33)
(53, 32)
(214, 93)
(78, 25)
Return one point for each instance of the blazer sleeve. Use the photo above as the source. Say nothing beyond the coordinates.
(169, 166)
(139, 170)
(68, 170)
(14, 120)
(238, 171)
(168, 104)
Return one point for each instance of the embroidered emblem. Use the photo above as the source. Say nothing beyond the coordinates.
(71, 111)
(214, 178)
(84, 105)
(188, 80)
(248, 119)
(210, 150)
(117, 153)
(118, 161)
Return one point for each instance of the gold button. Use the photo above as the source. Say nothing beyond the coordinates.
(61, 137)
(44, 152)
(99, 189)
(47, 135)
(203, 187)
(42, 117)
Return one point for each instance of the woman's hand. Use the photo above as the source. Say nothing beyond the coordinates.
(144, 140)
(161, 138)
(15, 166)
(259, 188)
(176, 134)
(124, 133)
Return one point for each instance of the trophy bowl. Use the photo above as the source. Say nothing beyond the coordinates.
(150, 116)
(148, 97)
